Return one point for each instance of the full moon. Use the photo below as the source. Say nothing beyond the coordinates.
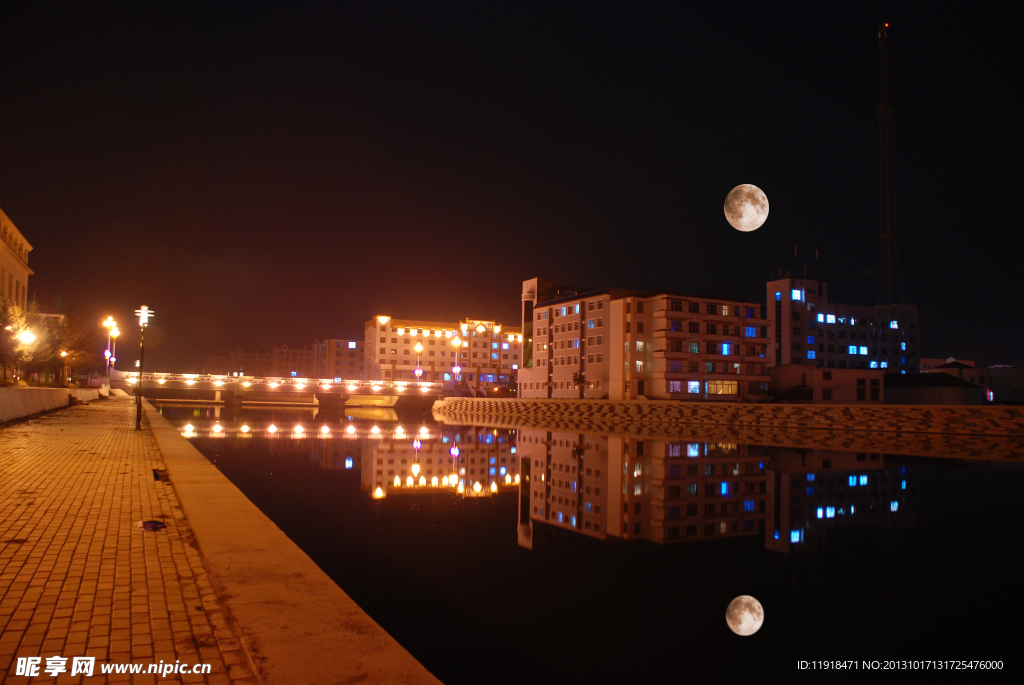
(746, 208)
(744, 615)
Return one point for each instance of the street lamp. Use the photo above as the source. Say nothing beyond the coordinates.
(111, 326)
(457, 344)
(64, 366)
(144, 313)
(419, 352)
(113, 354)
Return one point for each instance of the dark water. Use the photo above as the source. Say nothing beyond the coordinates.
(914, 558)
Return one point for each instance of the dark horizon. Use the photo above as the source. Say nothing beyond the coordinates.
(272, 175)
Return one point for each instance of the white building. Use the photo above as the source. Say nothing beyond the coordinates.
(14, 271)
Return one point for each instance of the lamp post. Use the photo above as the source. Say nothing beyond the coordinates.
(457, 344)
(111, 326)
(64, 367)
(25, 337)
(113, 355)
(144, 313)
(419, 370)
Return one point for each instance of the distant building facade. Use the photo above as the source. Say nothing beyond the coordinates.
(14, 269)
(928, 363)
(488, 355)
(340, 358)
(621, 345)
(807, 329)
(798, 383)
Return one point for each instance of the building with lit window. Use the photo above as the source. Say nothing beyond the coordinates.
(806, 328)
(621, 344)
(660, 490)
(336, 358)
(14, 270)
(486, 353)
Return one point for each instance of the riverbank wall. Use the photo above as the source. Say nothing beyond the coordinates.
(17, 402)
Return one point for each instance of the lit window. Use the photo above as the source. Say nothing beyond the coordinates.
(693, 449)
(725, 348)
(863, 350)
(903, 485)
(776, 535)
(810, 491)
(348, 464)
(810, 340)
(795, 295)
(903, 345)
(587, 507)
(894, 505)
(830, 512)
(852, 349)
(873, 365)
(852, 481)
(821, 318)
(853, 322)
(501, 471)
(574, 518)
(504, 346)
(885, 365)
(351, 345)
(748, 505)
(693, 387)
(863, 480)
(559, 517)
(893, 324)
(778, 297)
(751, 331)
(810, 354)
(821, 512)
(794, 535)
(830, 318)
(725, 488)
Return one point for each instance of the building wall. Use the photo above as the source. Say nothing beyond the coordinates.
(14, 269)
(293, 361)
(805, 328)
(830, 386)
(659, 346)
(487, 358)
(254, 363)
(341, 358)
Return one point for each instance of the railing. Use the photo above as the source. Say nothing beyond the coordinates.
(217, 381)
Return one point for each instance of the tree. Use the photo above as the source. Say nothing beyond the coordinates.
(579, 379)
(15, 347)
(65, 344)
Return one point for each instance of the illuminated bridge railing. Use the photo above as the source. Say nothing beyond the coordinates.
(263, 383)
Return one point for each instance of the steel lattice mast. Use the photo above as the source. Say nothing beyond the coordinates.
(890, 324)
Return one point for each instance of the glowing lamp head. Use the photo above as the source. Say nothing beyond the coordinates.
(455, 451)
(274, 385)
(416, 444)
(519, 338)
(418, 348)
(109, 323)
(464, 326)
(351, 387)
(218, 383)
(106, 354)
(217, 428)
(418, 372)
(189, 428)
(244, 429)
(461, 488)
(415, 469)
(408, 481)
(494, 486)
(433, 482)
(114, 333)
(497, 328)
(517, 479)
(272, 429)
(25, 337)
(351, 429)
(246, 384)
(477, 487)
(453, 480)
(456, 370)
(511, 337)
(456, 342)
(383, 319)
(325, 430)
(508, 479)
(378, 493)
(423, 480)
(480, 328)
(375, 430)
(444, 481)
(299, 429)
(398, 481)
(399, 431)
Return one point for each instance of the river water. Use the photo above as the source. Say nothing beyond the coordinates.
(576, 555)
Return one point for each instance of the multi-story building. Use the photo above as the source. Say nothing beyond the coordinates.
(805, 328)
(336, 358)
(14, 270)
(253, 363)
(621, 344)
(659, 490)
(295, 362)
(486, 353)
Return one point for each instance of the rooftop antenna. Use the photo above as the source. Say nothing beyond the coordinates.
(890, 324)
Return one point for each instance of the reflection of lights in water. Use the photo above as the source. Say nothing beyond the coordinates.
(453, 480)
(161, 381)
(300, 386)
(218, 383)
(351, 429)
(398, 481)
(376, 388)
(325, 430)
(245, 429)
(189, 428)
(352, 387)
(375, 430)
(272, 429)
(462, 488)
(399, 431)
(246, 384)
(508, 479)
(477, 487)
(273, 385)
(517, 479)
(190, 382)
(379, 492)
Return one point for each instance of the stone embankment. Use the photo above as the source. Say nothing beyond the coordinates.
(957, 420)
(18, 402)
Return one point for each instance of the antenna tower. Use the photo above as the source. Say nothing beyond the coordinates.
(889, 330)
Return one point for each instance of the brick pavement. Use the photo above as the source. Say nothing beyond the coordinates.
(78, 578)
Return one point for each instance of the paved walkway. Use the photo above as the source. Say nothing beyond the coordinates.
(78, 578)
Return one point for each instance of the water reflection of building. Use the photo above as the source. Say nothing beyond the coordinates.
(813, 491)
(418, 463)
(658, 490)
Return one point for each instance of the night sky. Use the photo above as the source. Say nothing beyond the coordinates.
(273, 175)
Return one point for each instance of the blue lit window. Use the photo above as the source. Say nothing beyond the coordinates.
(776, 535)
(863, 350)
(748, 505)
(796, 295)
(842, 319)
(903, 470)
(725, 488)
(294, 374)
(587, 507)
(872, 365)
(337, 380)
(893, 324)
(693, 387)
(574, 486)
(810, 490)
(821, 512)
(830, 512)
(515, 366)
(513, 450)
(751, 332)
(852, 349)
(760, 464)
(903, 345)
(693, 449)
(447, 376)
(725, 348)
(864, 480)
(492, 470)
(559, 517)
(903, 485)
(852, 481)
(794, 535)
(494, 460)
(810, 477)
(903, 371)
(778, 297)
(501, 471)
(590, 323)
(810, 340)
(348, 463)
(810, 354)
(894, 505)
(821, 318)
(830, 318)
(444, 439)
(504, 346)
(574, 521)
(884, 365)
(351, 345)
(494, 346)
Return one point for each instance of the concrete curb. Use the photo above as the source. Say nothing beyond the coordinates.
(298, 625)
